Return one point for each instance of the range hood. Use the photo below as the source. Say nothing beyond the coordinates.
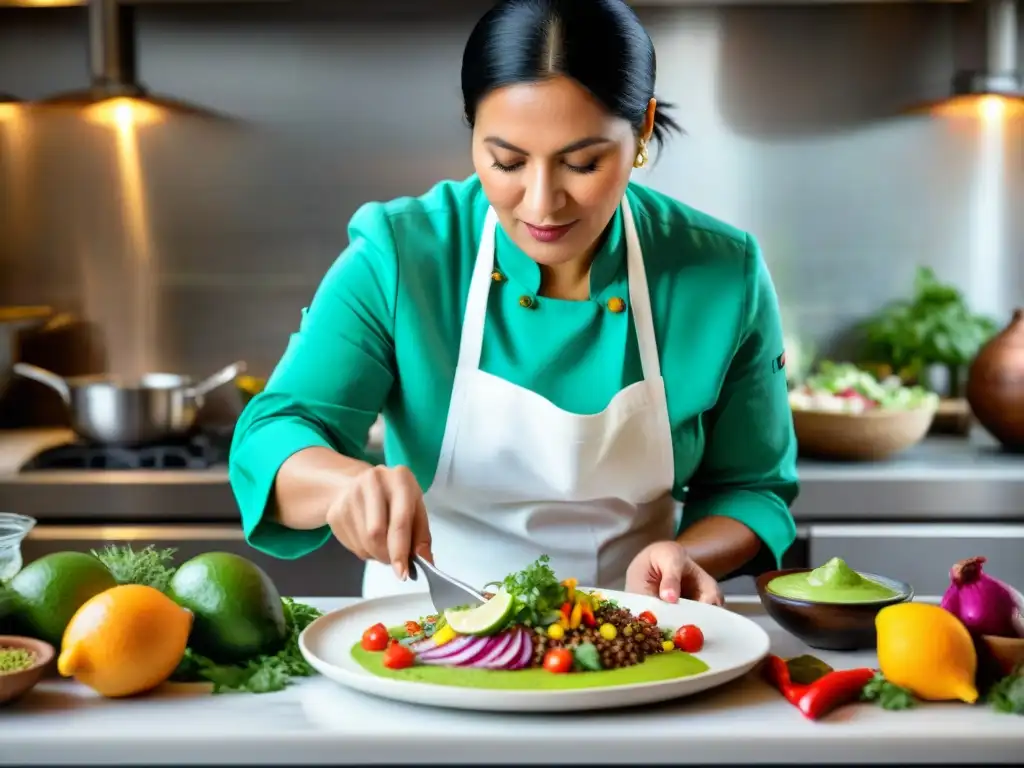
(112, 69)
(997, 87)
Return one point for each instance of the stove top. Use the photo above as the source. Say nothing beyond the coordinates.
(201, 451)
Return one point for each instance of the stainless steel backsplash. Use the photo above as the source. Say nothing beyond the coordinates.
(209, 248)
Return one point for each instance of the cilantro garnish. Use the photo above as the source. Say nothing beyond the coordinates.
(538, 594)
(887, 695)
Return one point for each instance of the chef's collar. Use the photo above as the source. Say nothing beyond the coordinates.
(524, 271)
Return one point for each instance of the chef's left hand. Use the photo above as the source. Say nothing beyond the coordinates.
(665, 570)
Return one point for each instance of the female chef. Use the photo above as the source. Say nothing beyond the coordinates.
(559, 354)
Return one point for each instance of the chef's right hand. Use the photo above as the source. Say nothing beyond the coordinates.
(381, 516)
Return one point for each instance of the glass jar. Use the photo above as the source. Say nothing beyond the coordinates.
(13, 530)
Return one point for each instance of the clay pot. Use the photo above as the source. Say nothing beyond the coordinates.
(995, 385)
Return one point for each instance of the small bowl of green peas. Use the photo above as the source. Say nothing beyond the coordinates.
(23, 660)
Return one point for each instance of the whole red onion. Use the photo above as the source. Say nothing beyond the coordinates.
(985, 605)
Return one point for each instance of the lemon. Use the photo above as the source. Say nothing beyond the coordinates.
(125, 640)
(483, 619)
(927, 650)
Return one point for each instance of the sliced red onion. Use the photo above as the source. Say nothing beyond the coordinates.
(505, 649)
(422, 644)
(454, 645)
(526, 654)
(453, 654)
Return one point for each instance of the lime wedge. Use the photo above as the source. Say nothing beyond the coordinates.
(485, 619)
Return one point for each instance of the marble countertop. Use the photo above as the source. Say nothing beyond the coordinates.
(319, 722)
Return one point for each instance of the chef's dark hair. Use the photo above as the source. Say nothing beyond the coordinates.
(600, 44)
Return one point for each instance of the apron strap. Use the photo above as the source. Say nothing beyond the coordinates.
(640, 297)
(476, 301)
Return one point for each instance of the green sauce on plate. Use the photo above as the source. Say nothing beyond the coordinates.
(834, 582)
(655, 668)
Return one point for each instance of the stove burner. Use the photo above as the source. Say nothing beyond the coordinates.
(200, 452)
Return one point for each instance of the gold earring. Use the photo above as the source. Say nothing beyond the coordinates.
(641, 155)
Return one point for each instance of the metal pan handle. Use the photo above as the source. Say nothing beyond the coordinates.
(219, 379)
(43, 376)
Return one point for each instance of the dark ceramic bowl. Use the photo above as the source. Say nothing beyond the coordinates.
(830, 626)
(14, 685)
(1007, 651)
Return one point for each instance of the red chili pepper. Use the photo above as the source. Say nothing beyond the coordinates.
(824, 695)
(833, 690)
(566, 612)
(776, 672)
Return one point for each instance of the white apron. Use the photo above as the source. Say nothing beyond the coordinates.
(518, 477)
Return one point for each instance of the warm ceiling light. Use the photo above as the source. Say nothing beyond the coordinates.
(45, 3)
(112, 67)
(123, 111)
(996, 91)
(988, 107)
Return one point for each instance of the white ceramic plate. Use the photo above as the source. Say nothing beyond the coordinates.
(733, 645)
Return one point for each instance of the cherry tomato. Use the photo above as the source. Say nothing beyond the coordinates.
(376, 638)
(558, 660)
(397, 656)
(688, 638)
(648, 617)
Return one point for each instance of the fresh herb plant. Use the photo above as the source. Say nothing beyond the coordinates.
(934, 327)
(149, 566)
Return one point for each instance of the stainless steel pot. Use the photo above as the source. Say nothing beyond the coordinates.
(108, 410)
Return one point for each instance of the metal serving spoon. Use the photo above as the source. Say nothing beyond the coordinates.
(445, 591)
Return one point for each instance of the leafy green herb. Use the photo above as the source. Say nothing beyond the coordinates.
(538, 594)
(264, 674)
(935, 327)
(587, 657)
(804, 670)
(887, 695)
(1007, 695)
(150, 566)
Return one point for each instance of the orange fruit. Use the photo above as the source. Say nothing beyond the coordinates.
(125, 640)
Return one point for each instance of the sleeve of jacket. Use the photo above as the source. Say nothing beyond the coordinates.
(748, 471)
(328, 387)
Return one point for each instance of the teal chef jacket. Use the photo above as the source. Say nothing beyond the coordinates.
(381, 336)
